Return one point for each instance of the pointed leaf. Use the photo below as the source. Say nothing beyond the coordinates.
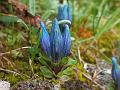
(72, 62)
(46, 72)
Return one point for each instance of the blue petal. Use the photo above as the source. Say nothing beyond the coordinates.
(66, 40)
(65, 12)
(118, 78)
(45, 40)
(56, 42)
(60, 13)
(115, 71)
(116, 75)
(69, 13)
(114, 62)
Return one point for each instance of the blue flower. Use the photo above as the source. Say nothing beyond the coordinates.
(65, 13)
(66, 40)
(116, 73)
(56, 42)
(45, 40)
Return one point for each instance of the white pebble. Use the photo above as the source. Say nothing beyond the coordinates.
(4, 85)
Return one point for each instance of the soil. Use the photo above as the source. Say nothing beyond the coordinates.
(33, 85)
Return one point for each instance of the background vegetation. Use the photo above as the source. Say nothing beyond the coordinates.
(95, 34)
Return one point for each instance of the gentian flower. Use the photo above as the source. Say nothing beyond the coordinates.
(65, 13)
(116, 73)
(66, 40)
(56, 42)
(45, 40)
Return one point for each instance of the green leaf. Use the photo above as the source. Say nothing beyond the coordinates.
(32, 7)
(46, 72)
(24, 1)
(43, 62)
(22, 22)
(11, 40)
(47, 14)
(67, 71)
(33, 51)
(110, 23)
(72, 62)
(11, 18)
(8, 18)
(111, 86)
(20, 37)
(64, 61)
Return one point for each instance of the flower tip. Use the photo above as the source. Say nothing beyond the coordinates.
(41, 24)
(55, 20)
(114, 59)
(55, 24)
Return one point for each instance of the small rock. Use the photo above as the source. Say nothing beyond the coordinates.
(4, 85)
(57, 87)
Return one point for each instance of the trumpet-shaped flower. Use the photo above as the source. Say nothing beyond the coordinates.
(65, 13)
(64, 16)
(56, 45)
(66, 40)
(116, 73)
(45, 40)
(56, 42)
